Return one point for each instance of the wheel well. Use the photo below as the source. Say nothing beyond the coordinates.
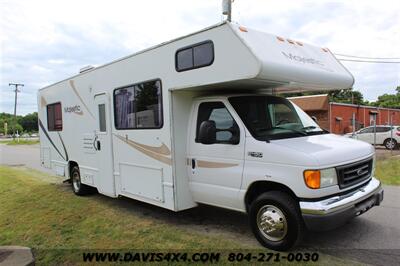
(71, 164)
(260, 187)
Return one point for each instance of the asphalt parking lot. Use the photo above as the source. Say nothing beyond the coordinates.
(373, 238)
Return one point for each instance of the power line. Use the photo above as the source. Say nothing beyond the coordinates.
(365, 57)
(365, 61)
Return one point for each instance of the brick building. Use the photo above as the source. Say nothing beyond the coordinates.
(337, 117)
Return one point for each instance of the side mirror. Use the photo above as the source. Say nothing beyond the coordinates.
(235, 135)
(207, 132)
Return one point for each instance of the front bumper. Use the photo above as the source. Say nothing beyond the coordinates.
(336, 211)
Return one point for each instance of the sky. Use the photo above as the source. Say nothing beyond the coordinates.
(45, 41)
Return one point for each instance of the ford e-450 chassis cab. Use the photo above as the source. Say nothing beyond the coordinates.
(198, 120)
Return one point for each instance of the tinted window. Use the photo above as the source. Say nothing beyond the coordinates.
(102, 117)
(184, 59)
(217, 112)
(203, 54)
(138, 106)
(54, 117)
(194, 56)
(382, 129)
(367, 130)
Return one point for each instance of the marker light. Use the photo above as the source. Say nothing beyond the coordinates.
(299, 43)
(325, 50)
(290, 41)
(280, 38)
(243, 29)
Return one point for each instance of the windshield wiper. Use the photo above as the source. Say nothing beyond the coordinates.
(309, 127)
(293, 130)
(314, 127)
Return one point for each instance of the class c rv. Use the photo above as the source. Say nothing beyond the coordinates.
(197, 120)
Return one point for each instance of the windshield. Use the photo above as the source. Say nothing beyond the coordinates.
(271, 117)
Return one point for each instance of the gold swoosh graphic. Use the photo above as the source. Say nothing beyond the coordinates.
(72, 84)
(157, 153)
(208, 164)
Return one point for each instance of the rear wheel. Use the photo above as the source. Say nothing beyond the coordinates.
(390, 144)
(79, 188)
(276, 220)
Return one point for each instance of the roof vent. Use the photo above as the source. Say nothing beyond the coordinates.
(86, 68)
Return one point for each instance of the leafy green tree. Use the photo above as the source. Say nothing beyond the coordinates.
(29, 122)
(389, 100)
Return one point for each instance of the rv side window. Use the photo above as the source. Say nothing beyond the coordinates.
(102, 118)
(138, 106)
(194, 56)
(54, 117)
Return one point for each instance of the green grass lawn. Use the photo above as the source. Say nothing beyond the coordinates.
(388, 171)
(20, 142)
(49, 218)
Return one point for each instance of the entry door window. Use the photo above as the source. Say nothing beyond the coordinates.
(102, 118)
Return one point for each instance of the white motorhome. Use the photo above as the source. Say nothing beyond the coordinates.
(196, 120)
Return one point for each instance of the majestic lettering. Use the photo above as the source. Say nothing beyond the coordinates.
(302, 59)
(73, 109)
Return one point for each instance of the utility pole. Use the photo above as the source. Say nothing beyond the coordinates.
(16, 85)
(227, 9)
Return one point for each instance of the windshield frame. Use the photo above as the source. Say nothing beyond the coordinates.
(307, 126)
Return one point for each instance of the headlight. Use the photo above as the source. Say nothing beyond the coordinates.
(320, 178)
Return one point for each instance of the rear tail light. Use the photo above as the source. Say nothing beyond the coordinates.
(398, 133)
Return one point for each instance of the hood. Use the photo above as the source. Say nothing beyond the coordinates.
(329, 149)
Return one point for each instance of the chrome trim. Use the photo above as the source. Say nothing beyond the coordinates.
(342, 202)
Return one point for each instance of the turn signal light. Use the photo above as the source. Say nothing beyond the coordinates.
(312, 178)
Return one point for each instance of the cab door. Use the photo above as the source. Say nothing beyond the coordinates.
(103, 146)
(215, 170)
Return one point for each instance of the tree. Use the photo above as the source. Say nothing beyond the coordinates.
(29, 122)
(346, 96)
(389, 100)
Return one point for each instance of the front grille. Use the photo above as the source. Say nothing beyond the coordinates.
(351, 174)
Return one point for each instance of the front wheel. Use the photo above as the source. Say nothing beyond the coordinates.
(276, 221)
(390, 144)
(79, 188)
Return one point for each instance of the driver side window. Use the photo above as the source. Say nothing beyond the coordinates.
(217, 112)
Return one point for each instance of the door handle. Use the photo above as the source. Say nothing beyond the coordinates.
(193, 164)
(98, 145)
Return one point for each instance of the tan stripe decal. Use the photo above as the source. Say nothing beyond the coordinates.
(72, 84)
(207, 164)
(149, 152)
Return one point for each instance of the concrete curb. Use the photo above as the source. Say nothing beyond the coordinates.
(16, 256)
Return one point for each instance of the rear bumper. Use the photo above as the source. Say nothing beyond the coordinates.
(333, 212)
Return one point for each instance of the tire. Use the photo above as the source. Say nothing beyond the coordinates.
(77, 187)
(390, 144)
(284, 217)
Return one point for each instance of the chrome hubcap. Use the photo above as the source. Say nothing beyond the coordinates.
(76, 182)
(272, 223)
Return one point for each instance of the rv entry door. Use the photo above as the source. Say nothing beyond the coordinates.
(103, 146)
